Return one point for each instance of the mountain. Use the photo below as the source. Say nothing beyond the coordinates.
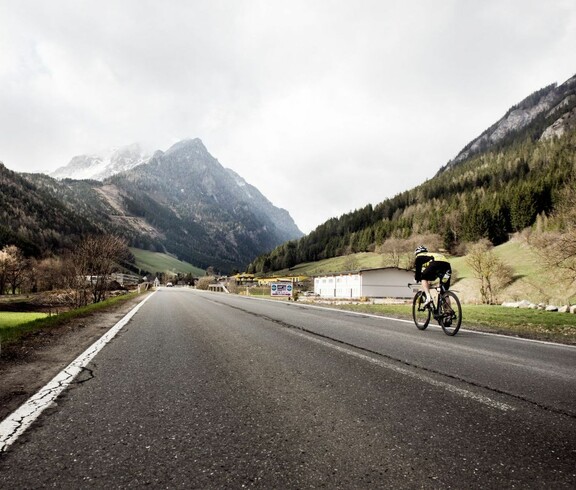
(552, 108)
(209, 215)
(262, 206)
(181, 201)
(102, 165)
(512, 176)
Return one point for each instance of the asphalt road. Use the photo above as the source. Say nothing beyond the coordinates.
(207, 390)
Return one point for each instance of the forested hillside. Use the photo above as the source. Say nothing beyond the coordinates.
(34, 219)
(502, 188)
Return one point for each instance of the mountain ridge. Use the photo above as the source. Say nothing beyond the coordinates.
(106, 164)
(551, 102)
(208, 211)
(181, 201)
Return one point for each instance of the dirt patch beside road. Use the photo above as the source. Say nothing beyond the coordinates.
(27, 365)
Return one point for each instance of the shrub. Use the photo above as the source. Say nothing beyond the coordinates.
(204, 282)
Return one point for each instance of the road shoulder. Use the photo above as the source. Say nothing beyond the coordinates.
(29, 364)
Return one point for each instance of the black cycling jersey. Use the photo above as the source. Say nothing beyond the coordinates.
(428, 267)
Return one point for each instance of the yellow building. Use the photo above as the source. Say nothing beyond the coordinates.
(266, 281)
(244, 279)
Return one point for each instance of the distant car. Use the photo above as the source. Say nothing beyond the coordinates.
(169, 284)
(309, 293)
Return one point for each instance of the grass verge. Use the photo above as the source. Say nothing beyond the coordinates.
(10, 319)
(15, 331)
(525, 323)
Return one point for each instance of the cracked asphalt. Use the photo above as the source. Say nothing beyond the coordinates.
(204, 390)
(28, 366)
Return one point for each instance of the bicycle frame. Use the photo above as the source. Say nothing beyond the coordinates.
(440, 290)
(435, 303)
(445, 308)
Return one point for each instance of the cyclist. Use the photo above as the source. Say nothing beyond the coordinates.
(429, 267)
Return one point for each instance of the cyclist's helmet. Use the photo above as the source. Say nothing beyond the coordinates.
(420, 249)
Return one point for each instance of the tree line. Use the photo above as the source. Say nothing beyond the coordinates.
(83, 274)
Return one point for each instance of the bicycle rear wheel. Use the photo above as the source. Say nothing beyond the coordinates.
(450, 313)
(420, 314)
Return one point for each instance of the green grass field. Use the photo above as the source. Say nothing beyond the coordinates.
(9, 319)
(160, 262)
(531, 280)
(365, 260)
(15, 325)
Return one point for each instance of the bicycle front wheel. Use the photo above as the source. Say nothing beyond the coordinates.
(450, 313)
(420, 313)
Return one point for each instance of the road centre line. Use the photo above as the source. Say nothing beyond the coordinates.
(18, 421)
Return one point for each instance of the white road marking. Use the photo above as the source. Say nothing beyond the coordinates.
(18, 421)
(407, 372)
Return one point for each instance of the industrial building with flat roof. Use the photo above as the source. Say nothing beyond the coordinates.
(386, 282)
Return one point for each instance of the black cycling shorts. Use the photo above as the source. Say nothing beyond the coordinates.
(436, 270)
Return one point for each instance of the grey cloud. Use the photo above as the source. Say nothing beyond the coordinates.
(322, 97)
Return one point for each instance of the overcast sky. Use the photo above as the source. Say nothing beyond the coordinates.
(323, 105)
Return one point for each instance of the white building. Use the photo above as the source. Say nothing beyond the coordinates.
(388, 282)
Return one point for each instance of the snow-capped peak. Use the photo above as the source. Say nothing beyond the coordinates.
(102, 164)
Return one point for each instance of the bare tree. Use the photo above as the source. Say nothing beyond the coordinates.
(232, 286)
(3, 274)
(95, 259)
(493, 274)
(557, 249)
(43, 274)
(392, 250)
(13, 267)
(204, 282)
(49, 274)
(351, 262)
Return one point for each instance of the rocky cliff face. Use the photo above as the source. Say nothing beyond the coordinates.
(548, 112)
(565, 122)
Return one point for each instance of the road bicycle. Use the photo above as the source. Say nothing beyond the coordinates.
(447, 310)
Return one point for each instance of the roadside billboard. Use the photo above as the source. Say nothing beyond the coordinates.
(281, 289)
